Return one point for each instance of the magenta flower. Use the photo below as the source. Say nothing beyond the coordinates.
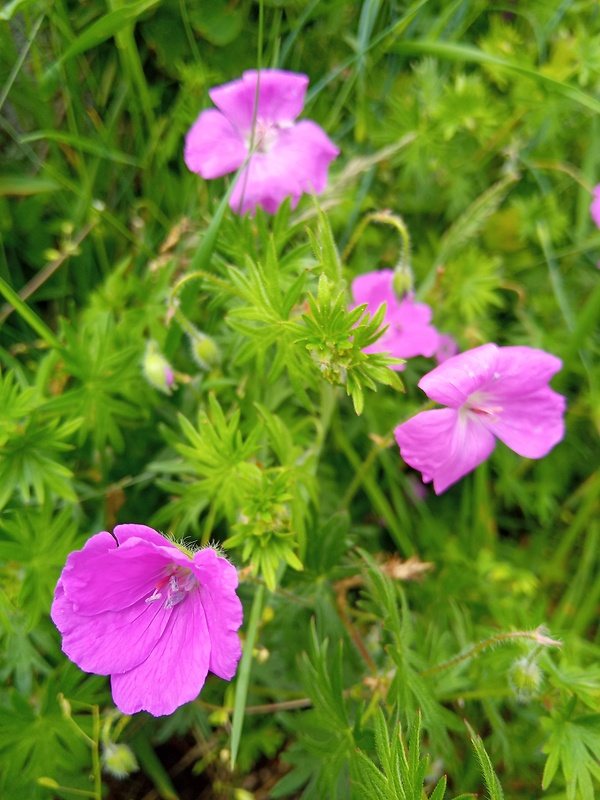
(446, 348)
(409, 333)
(491, 392)
(289, 157)
(595, 206)
(154, 617)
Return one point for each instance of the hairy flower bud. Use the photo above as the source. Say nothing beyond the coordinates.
(157, 369)
(403, 281)
(205, 351)
(118, 760)
(526, 678)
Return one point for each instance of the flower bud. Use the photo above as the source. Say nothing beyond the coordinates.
(403, 281)
(157, 369)
(242, 794)
(48, 783)
(205, 351)
(118, 760)
(526, 678)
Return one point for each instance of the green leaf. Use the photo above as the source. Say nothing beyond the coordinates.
(574, 744)
(36, 543)
(83, 144)
(491, 779)
(99, 31)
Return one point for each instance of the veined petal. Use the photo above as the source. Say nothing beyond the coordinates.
(451, 382)
(117, 578)
(530, 425)
(223, 610)
(175, 671)
(518, 371)
(213, 147)
(281, 98)
(444, 445)
(113, 641)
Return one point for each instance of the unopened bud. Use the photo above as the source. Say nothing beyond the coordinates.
(403, 281)
(64, 704)
(48, 783)
(205, 351)
(157, 369)
(219, 718)
(118, 760)
(526, 678)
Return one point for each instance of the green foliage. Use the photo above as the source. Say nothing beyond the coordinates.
(335, 340)
(31, 451)
(216, 461)
(402, 775)
(35, 544)
(573, 744)
(473, 124)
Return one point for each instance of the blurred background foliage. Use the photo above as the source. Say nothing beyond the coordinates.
(479, 124)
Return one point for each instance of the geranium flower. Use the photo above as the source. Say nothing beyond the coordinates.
(446, 348)
(289, 157)
(150, 614)
(595, 206)
(409, 333)
(491, 392)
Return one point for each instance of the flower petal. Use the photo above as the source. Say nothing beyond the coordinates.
(444, 445)
(112, 641)
(411, 332)
(455, 379)
(175, 671)
(281, 98)
(130, 530)
(520, 370)
(530, 425)
(96, 581)
(223, 610)
(297, 162)
(213, 147)
(375, 288)
(595, 206)
(447, 348)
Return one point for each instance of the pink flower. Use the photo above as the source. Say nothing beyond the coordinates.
(595, 206)
(446, 348)
(289, 157)
(154, 617)
(409, 333)
(491, 392)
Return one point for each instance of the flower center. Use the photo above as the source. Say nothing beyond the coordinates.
(265, 136)
(483, 407)
(175, 584)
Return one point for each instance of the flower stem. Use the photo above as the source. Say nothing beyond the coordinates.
(29, 315)
(501, 638)
(390, 219)
(96, 753)
(372, 489)
(241, 688)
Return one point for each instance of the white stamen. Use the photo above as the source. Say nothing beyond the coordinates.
(175, 598)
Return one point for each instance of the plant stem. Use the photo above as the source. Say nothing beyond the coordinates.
(29, 316)
(500, 638)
